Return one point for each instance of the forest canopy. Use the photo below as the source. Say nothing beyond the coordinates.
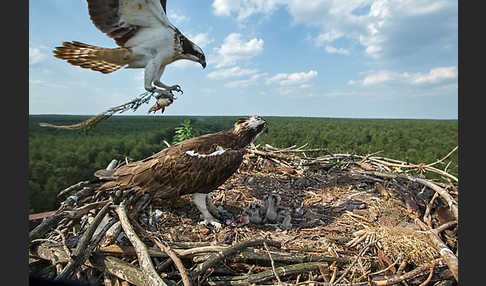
(60, 158)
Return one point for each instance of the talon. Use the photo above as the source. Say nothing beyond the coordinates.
(151, 89)
(176, 88)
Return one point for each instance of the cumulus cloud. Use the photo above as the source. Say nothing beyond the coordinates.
(435, 75)
(244, 8)
(334, 50)
(246, 82)
(36, 56)
(378, 78)
(202, 39)
(177, 17)
(286, 79)
(383, 27)
(231, 72)
(235, 49)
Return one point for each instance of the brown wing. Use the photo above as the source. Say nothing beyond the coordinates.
(164, 4)
(172, 172)
(121, 19)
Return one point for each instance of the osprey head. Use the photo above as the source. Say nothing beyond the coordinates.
(250, 127)
(191, 51)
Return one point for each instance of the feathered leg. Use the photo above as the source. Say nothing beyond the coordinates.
(200, 202)
(153, 72)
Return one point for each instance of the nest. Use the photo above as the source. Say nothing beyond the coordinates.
(337, 219)
(405, 244)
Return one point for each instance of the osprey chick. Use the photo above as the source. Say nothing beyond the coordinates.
(146, 38)
(195, 166)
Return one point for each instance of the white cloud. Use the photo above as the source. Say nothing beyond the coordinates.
(177, 17)
(435, 75)
(377, 78)
(246, 82)
(327, 37)
(235, 49)
(202, 39)
(244, 8)
(383, 27)
(231, 72)
(285, 79)
(36, 56)
(333, 50)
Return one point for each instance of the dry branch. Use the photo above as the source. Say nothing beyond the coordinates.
(122, 270)
(175, 259)
(266, 275)
(213, 260)
(46, 225)
(141, 249)
(82, 250)
(449, 257)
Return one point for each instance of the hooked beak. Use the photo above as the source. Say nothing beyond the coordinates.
(203, 63)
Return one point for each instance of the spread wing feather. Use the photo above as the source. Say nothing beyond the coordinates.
(121, 19)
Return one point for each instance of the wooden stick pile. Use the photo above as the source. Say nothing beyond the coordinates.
(104, 238)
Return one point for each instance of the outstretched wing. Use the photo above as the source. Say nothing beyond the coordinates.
(121, 19)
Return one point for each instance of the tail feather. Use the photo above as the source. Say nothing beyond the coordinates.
(92, 57)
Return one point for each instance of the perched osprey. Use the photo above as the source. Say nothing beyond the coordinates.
(195, 166)
(146, 38)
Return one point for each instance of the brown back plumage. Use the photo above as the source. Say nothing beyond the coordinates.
(187, 167)
(92, 57)
(172, 172)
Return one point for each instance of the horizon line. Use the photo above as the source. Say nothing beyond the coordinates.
(293, 116)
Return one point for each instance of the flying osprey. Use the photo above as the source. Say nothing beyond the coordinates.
(146, 38)
(195, 166)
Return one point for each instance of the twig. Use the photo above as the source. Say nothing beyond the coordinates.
(427, 281)
(446, 156)
(213, 260)
(442, 192)
(79, 212)
(141, 249)
(395, 279)
(445, 226)
(427, 217)
(80, 254)
(121, 269)
(387, 268)
(353, 263)
(273, 265)
(445, 252)
(46, 225)
(175, 259)
(75, 187)
(63, 239)
(94, 120)
(266, 275)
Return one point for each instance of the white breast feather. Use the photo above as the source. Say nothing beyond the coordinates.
(219, 151)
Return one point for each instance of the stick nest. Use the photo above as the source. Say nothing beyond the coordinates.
(341, 219)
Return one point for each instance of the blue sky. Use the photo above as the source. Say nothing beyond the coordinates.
(324, 58)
